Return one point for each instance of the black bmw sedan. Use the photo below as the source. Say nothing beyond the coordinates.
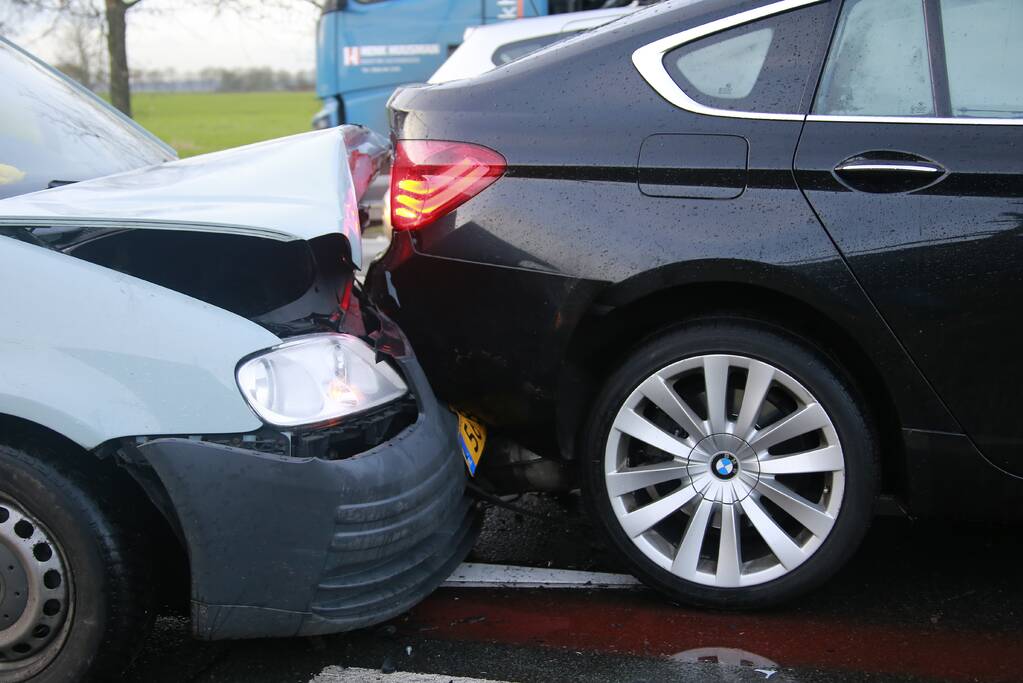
(745, 268)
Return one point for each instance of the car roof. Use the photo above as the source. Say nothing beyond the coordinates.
(539, 26)
(475, 55)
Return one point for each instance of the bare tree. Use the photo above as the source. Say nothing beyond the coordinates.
(120, 86)
(82, 55)
(114, 18)
(114, 14)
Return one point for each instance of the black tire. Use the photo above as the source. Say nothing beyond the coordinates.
(85, 511)
(800, 359)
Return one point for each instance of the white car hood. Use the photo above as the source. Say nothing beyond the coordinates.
(293, 188)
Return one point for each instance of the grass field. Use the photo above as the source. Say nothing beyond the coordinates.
(196, 123)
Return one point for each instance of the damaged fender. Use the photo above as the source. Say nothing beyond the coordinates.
(120, 356)
(258, 190)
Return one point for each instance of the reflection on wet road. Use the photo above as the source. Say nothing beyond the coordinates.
(921, 601)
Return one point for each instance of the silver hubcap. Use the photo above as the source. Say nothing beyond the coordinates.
(33, 589)
(724, 470)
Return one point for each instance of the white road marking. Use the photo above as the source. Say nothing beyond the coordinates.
(472, 575)
(337, 674)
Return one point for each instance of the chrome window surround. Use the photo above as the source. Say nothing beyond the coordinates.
(649, 61)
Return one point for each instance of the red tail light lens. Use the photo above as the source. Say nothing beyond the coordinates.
(430, 178)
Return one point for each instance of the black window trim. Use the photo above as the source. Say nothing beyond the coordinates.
(938, 64)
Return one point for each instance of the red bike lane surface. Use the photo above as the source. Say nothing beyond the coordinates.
(920, 601)
(640, 623)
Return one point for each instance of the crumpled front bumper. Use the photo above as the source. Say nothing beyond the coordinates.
(282, 546)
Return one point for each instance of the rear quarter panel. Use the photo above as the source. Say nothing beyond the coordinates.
(567, 234)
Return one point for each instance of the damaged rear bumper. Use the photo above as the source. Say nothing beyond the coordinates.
(285, 546)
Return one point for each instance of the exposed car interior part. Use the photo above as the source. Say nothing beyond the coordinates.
(289, 288)
(511, 468)
(245, 275)
(346, 439)
(356, 435)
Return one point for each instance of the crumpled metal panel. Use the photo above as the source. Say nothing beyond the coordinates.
(293, 188)
(94, 354)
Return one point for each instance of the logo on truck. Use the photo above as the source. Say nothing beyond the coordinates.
(509, 9)
(357, 55)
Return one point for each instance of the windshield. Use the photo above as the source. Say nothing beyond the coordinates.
(52, 131)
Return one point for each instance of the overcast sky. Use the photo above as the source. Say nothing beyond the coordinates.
(188, 37)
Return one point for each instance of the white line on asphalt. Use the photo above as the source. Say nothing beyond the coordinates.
(337, 674)
(472, 575)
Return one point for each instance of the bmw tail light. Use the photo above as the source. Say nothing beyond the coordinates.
(430, 178)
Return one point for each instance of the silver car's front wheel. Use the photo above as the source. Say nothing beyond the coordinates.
(720, 469)
(34, 593)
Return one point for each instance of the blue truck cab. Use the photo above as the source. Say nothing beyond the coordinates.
(367, 48)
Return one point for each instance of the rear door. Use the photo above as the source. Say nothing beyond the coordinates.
(912, 159)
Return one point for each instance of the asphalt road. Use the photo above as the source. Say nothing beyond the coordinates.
(920, 602)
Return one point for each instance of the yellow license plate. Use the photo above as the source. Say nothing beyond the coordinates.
(472, 437)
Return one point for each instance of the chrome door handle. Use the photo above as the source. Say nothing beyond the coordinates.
(888, 172)
(890, 167)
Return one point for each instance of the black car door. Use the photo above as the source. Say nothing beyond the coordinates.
(912, 160)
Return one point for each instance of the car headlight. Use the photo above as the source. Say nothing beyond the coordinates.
(317, 378)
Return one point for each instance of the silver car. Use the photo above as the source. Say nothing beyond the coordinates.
(195, 397)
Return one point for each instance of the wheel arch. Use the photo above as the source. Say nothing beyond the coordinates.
(45, 443)
(22, 432)
(626, 315)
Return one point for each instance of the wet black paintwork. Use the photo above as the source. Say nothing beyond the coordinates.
(693, 166)
(514, 299)
(942, 264)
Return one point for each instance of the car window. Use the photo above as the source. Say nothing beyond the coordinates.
(878, 64)
(984, 53)
(52, 131)
(760, 67)
(520, 48)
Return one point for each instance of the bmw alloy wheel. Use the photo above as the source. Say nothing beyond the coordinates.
(724, 470)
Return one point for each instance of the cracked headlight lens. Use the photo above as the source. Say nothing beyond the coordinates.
(317, 378)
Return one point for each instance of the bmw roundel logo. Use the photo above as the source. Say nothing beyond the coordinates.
(725, 465)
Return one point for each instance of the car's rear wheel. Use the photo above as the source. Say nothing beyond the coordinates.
(731, 463)
(75, 596)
